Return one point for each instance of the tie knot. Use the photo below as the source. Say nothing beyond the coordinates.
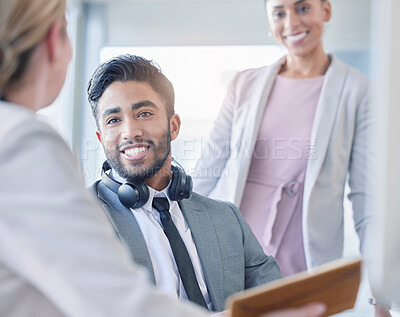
(161, 204)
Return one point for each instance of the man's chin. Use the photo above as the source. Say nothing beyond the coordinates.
(139, 175)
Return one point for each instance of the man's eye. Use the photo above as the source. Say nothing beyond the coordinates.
(112, 121)
(278, 15)
(145, 114)
(303, 9)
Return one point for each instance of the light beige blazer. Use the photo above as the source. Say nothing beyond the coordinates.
(342, 128)
(59, 255)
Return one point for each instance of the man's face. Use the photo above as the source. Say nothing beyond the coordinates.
(134, 130)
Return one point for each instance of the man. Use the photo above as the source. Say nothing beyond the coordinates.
(133, 104)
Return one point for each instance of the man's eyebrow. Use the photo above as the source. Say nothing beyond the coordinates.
(145, 103)
(296, 3)
(109, 111)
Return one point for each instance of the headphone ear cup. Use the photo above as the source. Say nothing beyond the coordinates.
(188, 187)
(175, 184)
(133, 195)
(181, 184)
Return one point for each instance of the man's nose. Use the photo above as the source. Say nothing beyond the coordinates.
(131, 130)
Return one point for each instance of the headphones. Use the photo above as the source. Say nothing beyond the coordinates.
(135, 195)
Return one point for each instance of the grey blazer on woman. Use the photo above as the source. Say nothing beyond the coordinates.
(231, 257)
(342, 131)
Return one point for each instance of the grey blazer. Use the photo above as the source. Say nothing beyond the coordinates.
(343, 130)
(231, 257)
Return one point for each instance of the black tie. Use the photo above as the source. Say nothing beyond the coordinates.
(181, 255)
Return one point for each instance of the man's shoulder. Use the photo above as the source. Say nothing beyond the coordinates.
(210, 202)
(94, 187)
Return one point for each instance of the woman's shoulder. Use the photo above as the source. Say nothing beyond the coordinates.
(354, 77)
(250, 76)
(22, 124)
(260, 70)
(13, 117)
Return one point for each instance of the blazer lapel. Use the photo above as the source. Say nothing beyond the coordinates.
(128, 229)
(324, 121)
(204, 237)
(260, 92)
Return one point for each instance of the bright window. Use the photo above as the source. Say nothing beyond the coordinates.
(200, 75)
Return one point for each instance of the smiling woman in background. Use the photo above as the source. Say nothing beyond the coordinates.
(287, 139)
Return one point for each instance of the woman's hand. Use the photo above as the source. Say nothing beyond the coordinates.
(382, 311)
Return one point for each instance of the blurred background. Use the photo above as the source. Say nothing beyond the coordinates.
(199, 44)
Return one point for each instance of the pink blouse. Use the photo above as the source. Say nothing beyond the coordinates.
(273, 196)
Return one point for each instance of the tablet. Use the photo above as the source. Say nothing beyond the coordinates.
(335, 284)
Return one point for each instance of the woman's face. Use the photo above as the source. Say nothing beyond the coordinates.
(63, 53)
(66, 51)
(298, 24)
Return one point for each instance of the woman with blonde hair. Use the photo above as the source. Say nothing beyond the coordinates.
(59, 255)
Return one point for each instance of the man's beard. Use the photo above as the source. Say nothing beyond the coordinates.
(160, 156)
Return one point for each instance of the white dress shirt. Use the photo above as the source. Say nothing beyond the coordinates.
(165, 269)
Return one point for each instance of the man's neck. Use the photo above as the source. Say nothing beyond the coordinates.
(160, 180)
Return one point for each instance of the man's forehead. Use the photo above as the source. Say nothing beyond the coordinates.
(133, 89)
(129, 94)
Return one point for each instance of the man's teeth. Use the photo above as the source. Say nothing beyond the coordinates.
(135, 151)
(293, 38)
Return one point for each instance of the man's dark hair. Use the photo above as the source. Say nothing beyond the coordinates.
(130, 67)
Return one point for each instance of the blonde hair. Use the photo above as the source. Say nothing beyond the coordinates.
(23, 24)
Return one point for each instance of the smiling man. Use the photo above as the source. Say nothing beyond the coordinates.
(193, 247)
(137, 138)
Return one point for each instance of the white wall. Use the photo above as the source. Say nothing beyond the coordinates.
(386, 69)
(222, 22)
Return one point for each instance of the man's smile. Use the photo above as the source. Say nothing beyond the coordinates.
(134, 152)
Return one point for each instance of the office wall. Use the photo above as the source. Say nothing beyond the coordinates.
(222, 22)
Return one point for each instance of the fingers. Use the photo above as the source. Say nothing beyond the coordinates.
(224, 313)
(382, 311)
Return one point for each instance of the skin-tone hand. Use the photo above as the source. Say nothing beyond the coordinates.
(382, 311)
(309, 310)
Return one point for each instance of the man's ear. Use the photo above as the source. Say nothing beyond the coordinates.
(98, 134)
(53, 42)
(327, 10)
(175, 125)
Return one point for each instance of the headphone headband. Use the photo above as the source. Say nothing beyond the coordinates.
(108, 181)
(135, 195)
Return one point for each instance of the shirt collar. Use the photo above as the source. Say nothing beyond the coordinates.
(155, 193)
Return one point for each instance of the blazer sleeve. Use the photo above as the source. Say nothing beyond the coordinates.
(215, 150)
(259, 267)
(362, 167)
(57, 241)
